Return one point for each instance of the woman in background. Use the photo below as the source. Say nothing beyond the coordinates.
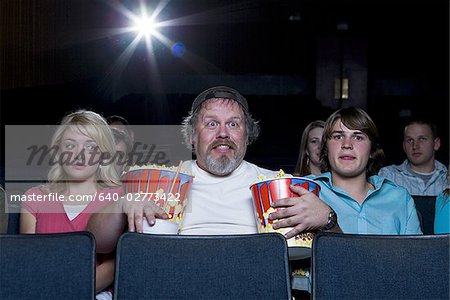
(83, 177)
(309, 154)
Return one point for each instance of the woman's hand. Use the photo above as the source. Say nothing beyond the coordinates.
(137, 206)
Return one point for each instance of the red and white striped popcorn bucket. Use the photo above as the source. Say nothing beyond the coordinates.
(267, 191)
(167, 188)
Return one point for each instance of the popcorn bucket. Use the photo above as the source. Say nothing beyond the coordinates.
(167, 188)
(268, 191)
(161, 226)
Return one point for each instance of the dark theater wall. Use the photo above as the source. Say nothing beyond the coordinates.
(55, 58)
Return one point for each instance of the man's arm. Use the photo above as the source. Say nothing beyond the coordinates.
(27, 222)
(335, 229)
(309, 214)
(108, 224)
(104, 274)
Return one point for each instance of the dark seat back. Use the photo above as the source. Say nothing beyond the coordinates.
(12, 210)
(426, 207)
(347, 266)
(47, 266)
(13, 223)
(202, 267)
(3, 214)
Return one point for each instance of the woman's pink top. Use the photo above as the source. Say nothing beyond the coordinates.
(51, 216)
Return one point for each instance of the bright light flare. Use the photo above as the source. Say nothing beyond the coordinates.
(145, 25)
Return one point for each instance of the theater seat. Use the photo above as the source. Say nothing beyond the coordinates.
(347, 266)
(202, 267)
(3, 215)
(47, 266)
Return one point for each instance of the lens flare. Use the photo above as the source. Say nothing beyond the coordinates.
(178, 49)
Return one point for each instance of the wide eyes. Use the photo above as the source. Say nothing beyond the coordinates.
(214, 124)
(70, 146)
(90, 146)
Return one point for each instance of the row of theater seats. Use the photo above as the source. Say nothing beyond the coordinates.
(61, 266)
(425, 206)
(344, 266)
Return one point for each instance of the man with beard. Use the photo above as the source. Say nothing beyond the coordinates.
(219, 128)
(420, 173)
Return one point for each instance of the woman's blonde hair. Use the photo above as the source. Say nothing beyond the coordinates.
(302, 168)
(94, 126)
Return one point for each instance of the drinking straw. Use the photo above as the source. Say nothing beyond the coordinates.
(173, 184)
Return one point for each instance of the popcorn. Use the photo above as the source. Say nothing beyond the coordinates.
(302, 239)
(301, 272)
(266, 191)
(159, 193)
(280, 174)
(159, 167)
(161, 184)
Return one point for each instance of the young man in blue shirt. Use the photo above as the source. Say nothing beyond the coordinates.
(363, 202)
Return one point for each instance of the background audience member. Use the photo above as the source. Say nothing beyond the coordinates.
(123, 147)
(309, 154)
(420, 173)
(121, 124)
(80, 179)
(219, 128)
(363, 202)
(442, 218)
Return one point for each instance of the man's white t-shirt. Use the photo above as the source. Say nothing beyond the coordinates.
(221, 205)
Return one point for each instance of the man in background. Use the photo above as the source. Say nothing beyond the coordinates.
(420, 173)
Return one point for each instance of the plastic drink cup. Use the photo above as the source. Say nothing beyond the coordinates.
(161, 226)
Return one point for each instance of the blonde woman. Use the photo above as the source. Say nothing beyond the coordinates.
(83, 179)
(309, 154)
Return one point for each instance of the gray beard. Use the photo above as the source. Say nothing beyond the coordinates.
(222, 166)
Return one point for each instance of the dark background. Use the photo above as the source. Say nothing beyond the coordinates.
(56, 57)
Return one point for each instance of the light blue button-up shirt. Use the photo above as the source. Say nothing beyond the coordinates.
(442, 219)
(403, 176)
(388, 209)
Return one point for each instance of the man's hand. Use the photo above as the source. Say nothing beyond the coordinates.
(136, 207)
(305, 213)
